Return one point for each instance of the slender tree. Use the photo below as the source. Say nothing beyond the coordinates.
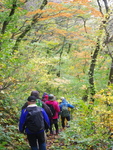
(97, 48)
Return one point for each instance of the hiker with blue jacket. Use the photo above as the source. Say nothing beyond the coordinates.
(64, 111)
(33, 121)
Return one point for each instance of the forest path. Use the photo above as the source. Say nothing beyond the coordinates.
(53, 141)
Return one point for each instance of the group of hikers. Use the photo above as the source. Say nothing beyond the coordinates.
(38, 115)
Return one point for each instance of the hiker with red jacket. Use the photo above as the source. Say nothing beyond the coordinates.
(45, 97)
(54, 106)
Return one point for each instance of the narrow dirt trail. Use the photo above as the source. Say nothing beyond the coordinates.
(53, 141)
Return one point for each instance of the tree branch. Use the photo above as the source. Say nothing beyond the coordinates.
(100, 8)
(6, 22)
(28, 28)
(106, 5)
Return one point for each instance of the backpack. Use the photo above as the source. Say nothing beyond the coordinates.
(65, 111)
(52, 109)
(38, 102)
(34, 120)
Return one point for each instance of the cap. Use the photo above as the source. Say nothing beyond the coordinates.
(31, 99)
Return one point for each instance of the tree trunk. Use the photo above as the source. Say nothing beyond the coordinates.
(111, 74)
(91, 70)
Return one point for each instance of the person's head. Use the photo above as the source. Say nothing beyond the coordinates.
(31, 100)
(62, 98)
(35, 93)
(44, 94)
(51, 97)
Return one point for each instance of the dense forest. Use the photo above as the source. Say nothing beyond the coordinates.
(62, 47)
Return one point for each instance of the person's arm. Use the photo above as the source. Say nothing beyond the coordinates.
(46, 119)
(70, 106)
(60, 107)
(22, 120)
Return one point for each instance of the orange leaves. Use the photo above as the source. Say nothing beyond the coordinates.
(92, 10)
(59, 31)
(23, 1)
(83, 54)
(95, 12)
(80, 12)
(35, 12)
(56, 6)
(20, 8)
(54, 10)
(64, 15)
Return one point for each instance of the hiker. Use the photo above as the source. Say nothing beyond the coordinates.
(33, 121)
(64, 100)
(64, 111)
(53, 104)
(39, 103)
(45, 97)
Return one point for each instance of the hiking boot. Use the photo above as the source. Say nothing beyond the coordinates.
(63, 129)
(57, 133)
(51, 133)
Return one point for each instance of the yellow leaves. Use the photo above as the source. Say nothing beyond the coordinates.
(72, 67)
(108, 93)
(61, 81)
(84, 87)
(52, 42)
(103, 107)
(98, 96)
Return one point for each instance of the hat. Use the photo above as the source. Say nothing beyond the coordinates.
(31, 99)
(35, 93)
(51, 97)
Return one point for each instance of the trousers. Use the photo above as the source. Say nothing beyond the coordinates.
(37, 141)
(63, 120)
